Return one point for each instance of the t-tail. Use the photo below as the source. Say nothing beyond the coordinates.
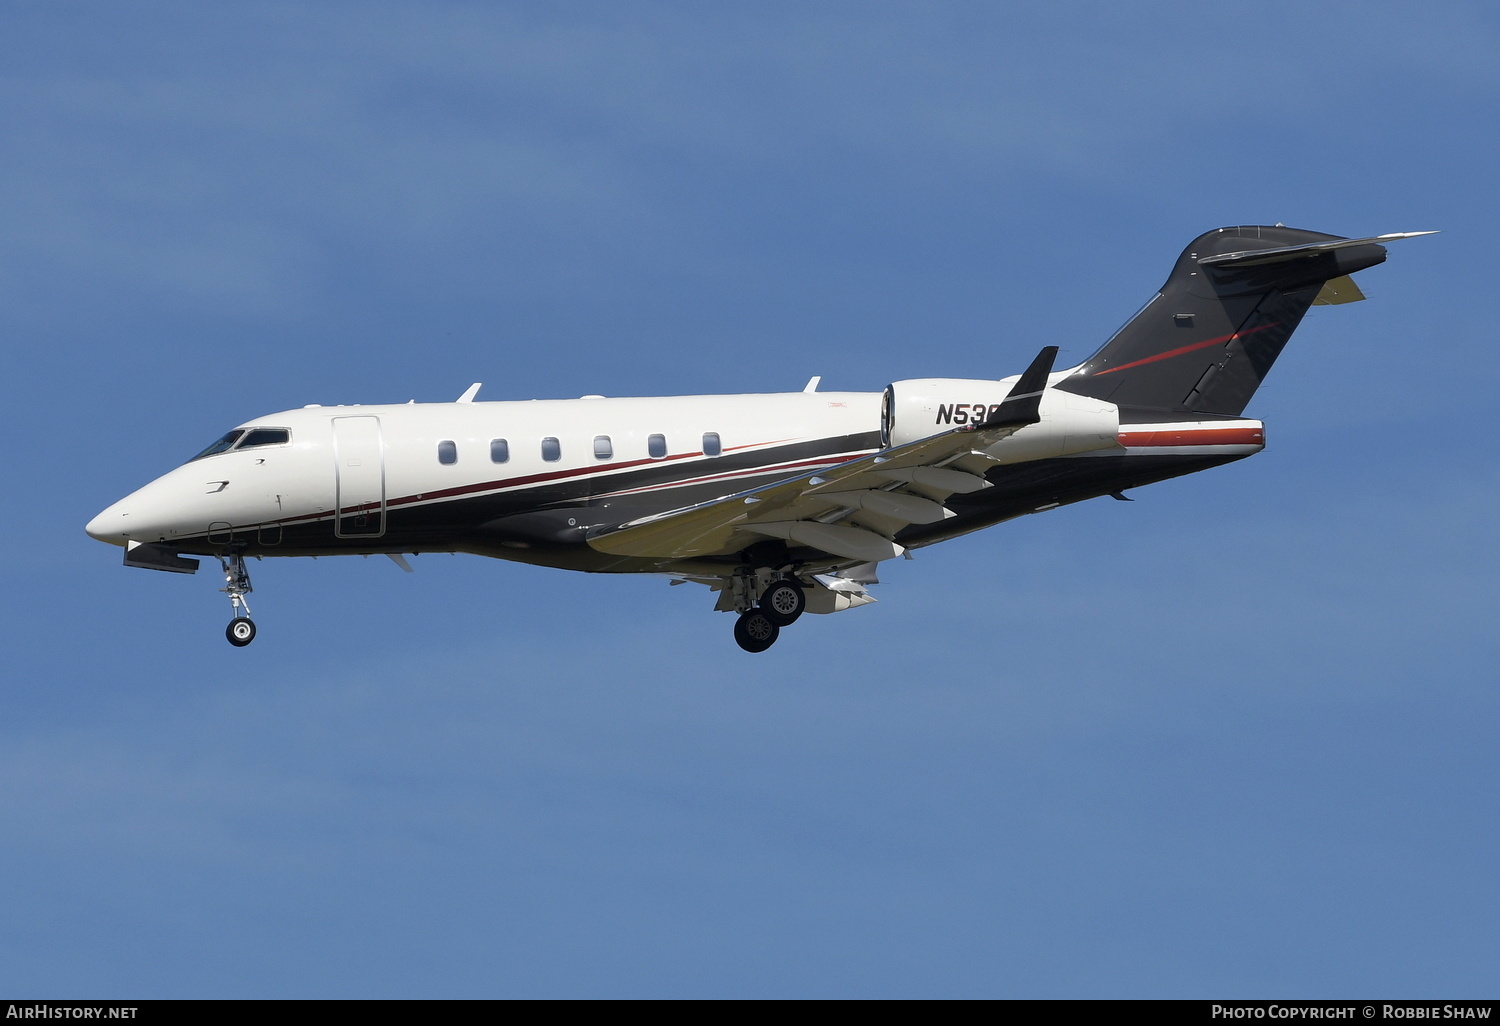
(1207, 340)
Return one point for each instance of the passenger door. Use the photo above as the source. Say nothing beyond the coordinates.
(359, 477)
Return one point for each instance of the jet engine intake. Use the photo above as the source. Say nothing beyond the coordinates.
(922, 407)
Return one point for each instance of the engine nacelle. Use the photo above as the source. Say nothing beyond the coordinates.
(922, 407)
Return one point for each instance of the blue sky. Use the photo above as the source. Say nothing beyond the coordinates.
(1234, 739)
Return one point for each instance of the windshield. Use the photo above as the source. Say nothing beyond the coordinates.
(246, 438)
(266, 436)
(222, 445)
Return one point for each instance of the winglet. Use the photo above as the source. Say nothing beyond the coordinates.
(468, 396)
(1024, 403)
(812, 383)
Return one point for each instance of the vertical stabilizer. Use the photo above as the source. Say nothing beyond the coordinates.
(1208, 339)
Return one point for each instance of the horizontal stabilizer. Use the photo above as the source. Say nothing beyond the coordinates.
(1337, 291)
(1252, 257)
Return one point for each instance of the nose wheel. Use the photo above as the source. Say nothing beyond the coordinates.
(241, 630)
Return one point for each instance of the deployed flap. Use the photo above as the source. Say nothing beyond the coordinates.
(833, 593)
(869, 491)
(849, 542)
(911, 508)
(865, 573)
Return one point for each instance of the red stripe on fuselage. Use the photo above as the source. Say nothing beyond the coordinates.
(555, 475)
(602, 470)
(1194, 436)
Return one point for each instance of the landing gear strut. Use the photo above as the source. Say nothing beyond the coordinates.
(241, 630)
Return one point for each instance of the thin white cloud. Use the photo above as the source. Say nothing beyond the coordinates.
(237, 181)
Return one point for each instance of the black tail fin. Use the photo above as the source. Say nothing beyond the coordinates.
(1208, 339)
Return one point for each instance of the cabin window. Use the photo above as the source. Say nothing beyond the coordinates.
(447, 452)
(499, 450)
(603, 447)
(711, 444)
(551, 450)
(265, 436)
(657, 446)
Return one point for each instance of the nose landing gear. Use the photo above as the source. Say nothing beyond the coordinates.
(241, 630)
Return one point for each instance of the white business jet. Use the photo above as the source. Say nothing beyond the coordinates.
(781, 504)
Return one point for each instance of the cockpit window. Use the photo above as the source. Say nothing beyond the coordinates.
(242, 438)
(222, 445)
(265, 436)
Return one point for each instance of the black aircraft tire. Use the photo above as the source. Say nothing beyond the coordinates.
(754, 631)
(240, 632)
(783, 601)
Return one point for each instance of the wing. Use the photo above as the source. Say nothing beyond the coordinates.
(884, 492)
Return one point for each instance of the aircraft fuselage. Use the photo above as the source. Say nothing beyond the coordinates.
(530, 480)
(781, 503)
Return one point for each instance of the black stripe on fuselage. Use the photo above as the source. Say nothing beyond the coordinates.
(531, 523)
(537, 508)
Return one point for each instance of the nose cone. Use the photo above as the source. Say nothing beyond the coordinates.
(111, 525)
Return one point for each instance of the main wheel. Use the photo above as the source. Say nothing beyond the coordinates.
(754, 631)
(240, 632)
(783, 601)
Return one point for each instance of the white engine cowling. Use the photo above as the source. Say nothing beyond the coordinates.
(922, 407)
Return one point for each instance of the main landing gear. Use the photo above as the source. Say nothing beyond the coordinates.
(241, 630)
(780, 604)
(783, 601)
